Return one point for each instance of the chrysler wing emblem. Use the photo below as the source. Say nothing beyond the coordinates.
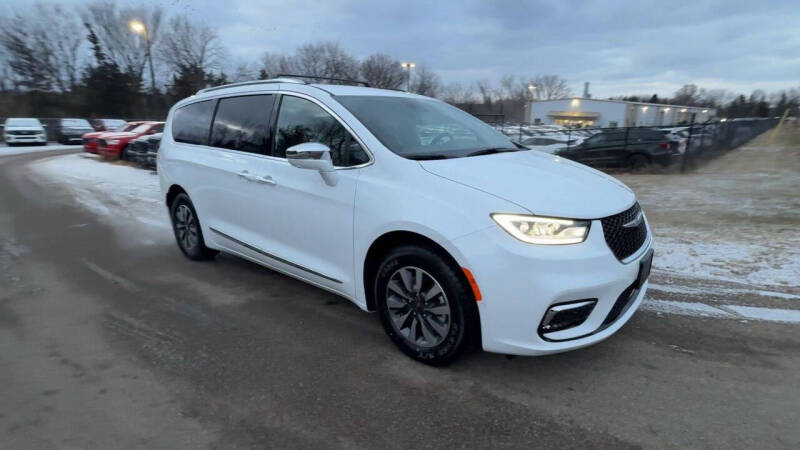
(635, 222)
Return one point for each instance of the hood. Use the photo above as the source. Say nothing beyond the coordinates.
(23, 128)
(93, 134)
(119, 135)
(543, 184)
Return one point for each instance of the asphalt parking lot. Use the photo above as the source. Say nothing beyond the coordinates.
(110, 338)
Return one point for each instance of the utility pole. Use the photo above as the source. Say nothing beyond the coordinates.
(139, 28)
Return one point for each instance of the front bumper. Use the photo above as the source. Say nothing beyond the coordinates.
(109, 152)
(519, 282)
(25, 139)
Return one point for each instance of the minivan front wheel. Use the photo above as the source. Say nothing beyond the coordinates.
(187, 229)
(424, 305)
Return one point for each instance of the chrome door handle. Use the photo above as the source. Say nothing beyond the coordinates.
(258, 179)
(264, 180)
(247, 176)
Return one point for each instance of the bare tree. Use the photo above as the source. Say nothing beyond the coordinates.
(382, 71)
(322, 59)
(487, 92)
(42, 49)
(550, 87)
(325, 59)
(190, 45)
(112, 25)
(275, 64)
(426, 82)
(458, 94)
(688, 94)
(244, 71)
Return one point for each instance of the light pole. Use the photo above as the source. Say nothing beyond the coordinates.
(532, 89)
(139, 28)
(408, 66)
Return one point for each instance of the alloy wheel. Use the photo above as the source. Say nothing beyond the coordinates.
(418, 307)
(186, 227)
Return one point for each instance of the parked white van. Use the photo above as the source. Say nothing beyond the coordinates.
(409, 207)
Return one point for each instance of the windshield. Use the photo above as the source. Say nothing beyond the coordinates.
(77, 123)
(417, 128)
(23, 123)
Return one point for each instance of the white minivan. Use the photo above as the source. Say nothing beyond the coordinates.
(412, 208)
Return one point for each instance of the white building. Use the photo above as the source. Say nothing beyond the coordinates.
(612, 113)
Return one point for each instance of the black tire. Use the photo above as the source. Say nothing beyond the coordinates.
(123, 153)
(188, 233)
(638, 162)
(462, 330)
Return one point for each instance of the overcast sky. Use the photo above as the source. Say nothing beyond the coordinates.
(621, 47)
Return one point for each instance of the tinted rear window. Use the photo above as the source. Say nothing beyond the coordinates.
(191, 123)
(241, 123)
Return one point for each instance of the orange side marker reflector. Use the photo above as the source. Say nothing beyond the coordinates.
(473, 284)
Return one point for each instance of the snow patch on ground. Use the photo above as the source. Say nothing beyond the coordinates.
(756, 262)
(9, 151)
(111, 190)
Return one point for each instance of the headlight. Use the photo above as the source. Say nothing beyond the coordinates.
(113, 142)
(543, 230)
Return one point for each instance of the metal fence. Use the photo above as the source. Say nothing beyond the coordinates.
(638, 147)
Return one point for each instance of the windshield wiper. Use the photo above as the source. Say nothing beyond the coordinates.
(428, 157)
(489, 151)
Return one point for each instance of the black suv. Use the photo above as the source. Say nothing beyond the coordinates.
(71, 131)
(633, 148)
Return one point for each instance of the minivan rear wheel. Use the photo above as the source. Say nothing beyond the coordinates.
(425, 307)
(187, 229)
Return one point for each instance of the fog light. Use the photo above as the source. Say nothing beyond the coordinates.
(566, 315)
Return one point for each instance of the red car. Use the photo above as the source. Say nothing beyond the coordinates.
(112, 145)
(90, 143)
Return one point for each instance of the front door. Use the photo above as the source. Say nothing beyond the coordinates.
(308, 222)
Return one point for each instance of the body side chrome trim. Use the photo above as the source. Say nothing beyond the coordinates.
(271, 256)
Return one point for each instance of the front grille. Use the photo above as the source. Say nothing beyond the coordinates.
(625, 241)
(101, 142)
(23, 132)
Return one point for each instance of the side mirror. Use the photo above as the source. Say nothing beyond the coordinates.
(310, 155)
(314, 156)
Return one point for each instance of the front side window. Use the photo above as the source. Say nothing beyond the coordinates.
(190, 123)
(301, 120)
(241, 123)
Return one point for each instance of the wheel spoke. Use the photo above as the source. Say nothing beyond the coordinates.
(438, 327)
(439, 310)
(426, 331)
(412, 332)
(432, 292)
(417, 280)
(400, 319)
(398, 289)
(393, 303)
(405, 275)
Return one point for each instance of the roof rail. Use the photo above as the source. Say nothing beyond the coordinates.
(252, 82)
(364, 83)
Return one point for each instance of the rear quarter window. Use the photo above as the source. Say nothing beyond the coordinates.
(191, 123)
